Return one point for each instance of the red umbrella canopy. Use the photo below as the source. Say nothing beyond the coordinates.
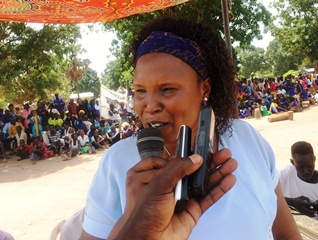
(77, 11)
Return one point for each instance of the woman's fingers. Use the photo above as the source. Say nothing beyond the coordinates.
(220, 157)
(196, 208)
(217, 192)
(222, 171)
(149, 163)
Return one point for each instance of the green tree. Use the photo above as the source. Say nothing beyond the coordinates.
(90, 82)
(251, 60)
(296, 27)
(281, 60)
(113, 76)
(33, 62)
(247, 15)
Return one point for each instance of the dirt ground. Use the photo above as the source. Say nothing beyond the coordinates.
(34, 198)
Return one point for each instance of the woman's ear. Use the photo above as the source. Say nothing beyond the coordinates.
(206, 85)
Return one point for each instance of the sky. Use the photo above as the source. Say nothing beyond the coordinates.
(97, 44)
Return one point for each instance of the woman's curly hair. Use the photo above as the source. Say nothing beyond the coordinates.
(221, 71)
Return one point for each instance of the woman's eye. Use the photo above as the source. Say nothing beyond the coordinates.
(168, 89)
(140, 90)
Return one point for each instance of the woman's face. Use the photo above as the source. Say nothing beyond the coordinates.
(167, 94)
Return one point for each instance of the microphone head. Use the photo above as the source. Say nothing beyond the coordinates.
(150, 143)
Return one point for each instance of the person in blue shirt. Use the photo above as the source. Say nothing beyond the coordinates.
(58, 103)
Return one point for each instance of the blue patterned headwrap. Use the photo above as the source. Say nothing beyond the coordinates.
(182, 48)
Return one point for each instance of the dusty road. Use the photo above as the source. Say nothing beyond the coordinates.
(34, 198)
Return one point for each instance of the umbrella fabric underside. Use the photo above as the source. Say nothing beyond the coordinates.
(77, 11)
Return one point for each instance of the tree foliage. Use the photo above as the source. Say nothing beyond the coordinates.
(251, 60)
(33, 62)
(281, 60)
(90, 82)
(247, 15)
(296, 27)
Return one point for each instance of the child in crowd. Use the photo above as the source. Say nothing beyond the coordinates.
(85, 147)
(113, 135)
(74, 147)
(37, 150)
(22, 150)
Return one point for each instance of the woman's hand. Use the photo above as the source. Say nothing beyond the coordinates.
(138, 177)
(152, 208)
(222, 165)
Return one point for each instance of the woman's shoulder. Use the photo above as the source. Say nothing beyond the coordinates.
(241, 125)
(123, 153)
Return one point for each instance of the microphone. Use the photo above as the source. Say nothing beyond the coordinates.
(150, 143)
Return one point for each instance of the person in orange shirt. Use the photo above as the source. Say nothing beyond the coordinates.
(13, 128)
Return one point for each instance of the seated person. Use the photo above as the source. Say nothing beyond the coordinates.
(22, 150)
(274, 108)
(104, 127)
(74, 147)
(126, 130)
(97, 141)
(13, 128)
(87, 123)
(55, 119)
(56, 142)
(300, 180)
(84, 142)
(113, 135)
(37, 150)
(20, 136)
(79, 124)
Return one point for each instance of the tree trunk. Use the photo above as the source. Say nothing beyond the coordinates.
(77, 89)
(316, 66)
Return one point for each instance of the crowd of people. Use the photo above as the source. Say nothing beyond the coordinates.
(272, 95)
(62, 128)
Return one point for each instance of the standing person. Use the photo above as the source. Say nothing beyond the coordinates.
(80, 106)
(26, 114)
(43, 113)
(12, 111)
(58, 104)
(72, 108)
(187, 66)
(113, 114)
(123, 112)
(35, 122)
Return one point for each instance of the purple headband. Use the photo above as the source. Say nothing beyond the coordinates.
(182, 48)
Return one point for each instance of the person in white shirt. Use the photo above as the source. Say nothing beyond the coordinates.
(316, 96)
(300, 179)
(20, 135)
(84, 142)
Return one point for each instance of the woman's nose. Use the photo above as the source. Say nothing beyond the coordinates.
(153, 104)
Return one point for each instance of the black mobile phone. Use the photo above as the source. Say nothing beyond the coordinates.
(183, 150)
(199, 180)
(197, 184)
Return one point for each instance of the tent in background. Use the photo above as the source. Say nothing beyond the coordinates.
(75, 11)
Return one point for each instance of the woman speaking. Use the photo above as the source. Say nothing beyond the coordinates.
(181, 67)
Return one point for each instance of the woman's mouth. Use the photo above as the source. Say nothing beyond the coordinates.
(157, 125)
